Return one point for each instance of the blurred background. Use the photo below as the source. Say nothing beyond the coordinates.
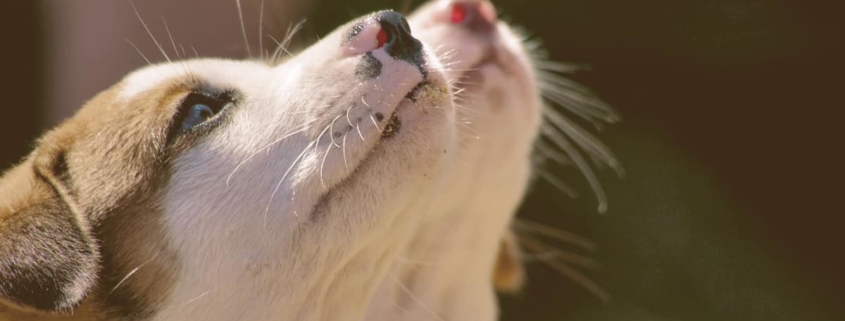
(730, 209)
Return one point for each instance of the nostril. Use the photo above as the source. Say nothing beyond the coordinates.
(382, 38)
(395, 36)
(478, 16)
(459, 13)
(394, 28)
(385, 29)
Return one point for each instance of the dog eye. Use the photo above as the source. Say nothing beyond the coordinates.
(197, 110)
(195, 115)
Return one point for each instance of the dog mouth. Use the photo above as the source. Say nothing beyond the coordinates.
(391, 128)
(477, 73)
(394, 124)
(414, 94)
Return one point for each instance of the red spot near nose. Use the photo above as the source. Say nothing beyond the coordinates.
(382, 38)
(459, 13)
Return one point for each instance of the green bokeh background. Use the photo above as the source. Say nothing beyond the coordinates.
(729, 207)
(718, 217)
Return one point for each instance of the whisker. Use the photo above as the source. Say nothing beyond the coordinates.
(194, 299)
(463, 70)
(331, 129)
(553, 154)
(139, 51)
(243, 28)
(292, 32)
(333, 143)
(563, 142)
(275, 190)
(585, 140)
(302, 129)
(417, 300)
(261, 30)
(128, 275)
(185, 66)
(329, 149)
(347, 115)
(597, 122)
(170, 35)
(579, 102)
(320, 137)
(358, 127)
(374, 123)
(556, 66)
(343, 149)
(563, 187)
(403, 309)
(574, 275)
(282, 45)
(279, 47)
(551, 253)
(556, 234)
(137, 14)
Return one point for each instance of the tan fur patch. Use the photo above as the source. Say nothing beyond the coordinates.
(115, 167)
(509, 273)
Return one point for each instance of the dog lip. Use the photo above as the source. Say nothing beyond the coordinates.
(413, 94)
(394, 124)
(391, 128)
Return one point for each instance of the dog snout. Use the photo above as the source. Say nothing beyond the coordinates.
(400, 43)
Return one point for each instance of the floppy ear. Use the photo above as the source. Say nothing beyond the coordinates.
(509, 272)
(48, 258)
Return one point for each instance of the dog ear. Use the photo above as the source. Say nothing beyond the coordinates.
(48, 257)
(509, 272)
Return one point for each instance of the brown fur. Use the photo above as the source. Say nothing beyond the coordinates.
(509, 273)
(91, 187)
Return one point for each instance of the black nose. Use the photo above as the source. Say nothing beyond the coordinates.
(400, 44)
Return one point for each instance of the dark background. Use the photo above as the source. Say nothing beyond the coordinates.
(730, 209)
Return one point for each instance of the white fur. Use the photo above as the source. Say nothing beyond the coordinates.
(149, 78)
(273, 217)
(447, 268)
(413, 223)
